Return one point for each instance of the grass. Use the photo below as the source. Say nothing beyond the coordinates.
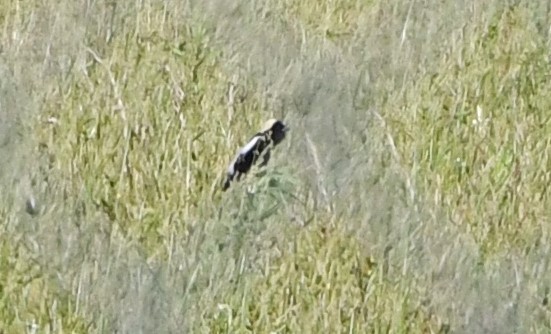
(410, 197)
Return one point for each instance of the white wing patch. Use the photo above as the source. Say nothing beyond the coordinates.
(242, 151)
(249, 145)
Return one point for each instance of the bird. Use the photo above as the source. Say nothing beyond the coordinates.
(272, 133)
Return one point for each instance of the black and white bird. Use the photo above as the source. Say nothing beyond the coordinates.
(260, 145)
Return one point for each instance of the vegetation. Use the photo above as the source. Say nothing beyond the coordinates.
(411, 195)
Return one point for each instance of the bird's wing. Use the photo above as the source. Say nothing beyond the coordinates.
(250, 145)
(242, 152)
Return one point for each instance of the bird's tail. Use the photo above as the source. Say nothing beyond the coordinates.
(226, 184)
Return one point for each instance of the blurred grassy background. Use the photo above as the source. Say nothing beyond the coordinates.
(410, 197)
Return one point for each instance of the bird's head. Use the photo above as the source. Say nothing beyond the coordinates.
(276, 129)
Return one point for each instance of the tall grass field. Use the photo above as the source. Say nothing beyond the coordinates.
(411, 195)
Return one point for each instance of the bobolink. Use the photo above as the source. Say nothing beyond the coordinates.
(271, 134)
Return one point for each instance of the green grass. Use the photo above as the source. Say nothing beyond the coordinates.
(410, 197)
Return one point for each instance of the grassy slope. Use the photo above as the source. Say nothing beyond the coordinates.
(413, 196)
